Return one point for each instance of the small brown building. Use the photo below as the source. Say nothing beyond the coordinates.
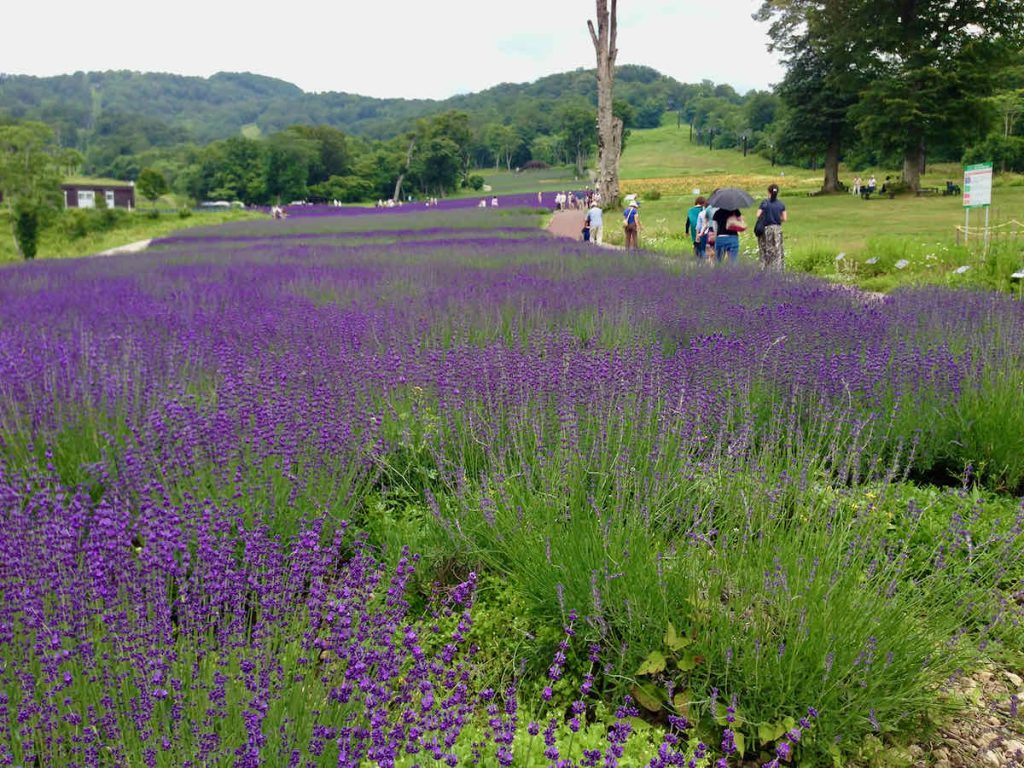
(86, 193)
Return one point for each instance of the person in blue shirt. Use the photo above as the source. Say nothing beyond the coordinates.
(692, 228)
(631, 219)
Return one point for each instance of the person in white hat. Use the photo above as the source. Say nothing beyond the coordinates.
(631, 218)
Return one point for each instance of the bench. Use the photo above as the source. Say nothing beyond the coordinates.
(867, 192)
(928, 191)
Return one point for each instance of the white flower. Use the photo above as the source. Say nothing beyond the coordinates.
(902, 264)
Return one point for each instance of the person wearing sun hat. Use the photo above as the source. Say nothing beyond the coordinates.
(631, 220)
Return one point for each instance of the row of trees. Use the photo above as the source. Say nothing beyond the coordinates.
(437, 156)
(319, 163)
(112, 117)
(905, 77)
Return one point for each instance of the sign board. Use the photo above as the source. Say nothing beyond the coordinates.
(978, 185)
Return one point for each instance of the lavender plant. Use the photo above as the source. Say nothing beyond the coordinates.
(183, 433)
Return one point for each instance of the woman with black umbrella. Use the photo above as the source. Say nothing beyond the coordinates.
(729, 222)
(727, 241)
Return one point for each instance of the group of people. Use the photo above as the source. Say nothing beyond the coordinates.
(715, 231)
(859, 187)
(573, 201)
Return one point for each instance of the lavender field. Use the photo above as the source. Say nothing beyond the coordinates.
(433, 488)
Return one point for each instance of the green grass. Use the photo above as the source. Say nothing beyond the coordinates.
(667, 151)
(99, 181)
(59, 242)
(502, 182)
(922, 230)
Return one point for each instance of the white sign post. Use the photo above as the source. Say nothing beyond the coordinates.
(977, 194)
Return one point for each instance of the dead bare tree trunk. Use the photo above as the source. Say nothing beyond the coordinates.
(401, 176)
(609, 127)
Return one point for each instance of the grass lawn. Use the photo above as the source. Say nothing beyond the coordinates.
(504, 182)
(57, 242)
(873, 236)
(666, 169)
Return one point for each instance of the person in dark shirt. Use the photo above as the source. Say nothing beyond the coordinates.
(726, 242)
(769, 243)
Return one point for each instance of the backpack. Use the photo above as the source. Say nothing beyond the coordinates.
(761, 222)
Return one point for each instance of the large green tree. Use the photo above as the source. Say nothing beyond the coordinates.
(151, 184)
(579, 132)
(332, 154)
(823, 77)
(437, 165)
(933, 63)
(906, 73)
(289, 158)
(29, 180)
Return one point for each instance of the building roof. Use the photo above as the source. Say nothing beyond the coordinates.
(86, 181)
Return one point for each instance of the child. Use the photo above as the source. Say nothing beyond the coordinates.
(586, 229)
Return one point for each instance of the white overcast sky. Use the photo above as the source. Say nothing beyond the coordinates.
(384, 48)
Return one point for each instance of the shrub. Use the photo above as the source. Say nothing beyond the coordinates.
(652, 194)
(1006, 153)
(475, 182)
(26, 227)
(535, 165)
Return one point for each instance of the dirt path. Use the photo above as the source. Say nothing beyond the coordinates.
(567, 224)
(135, 247)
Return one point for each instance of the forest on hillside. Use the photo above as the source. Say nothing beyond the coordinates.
(915, 90)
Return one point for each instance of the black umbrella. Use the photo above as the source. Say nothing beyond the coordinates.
(730, 198)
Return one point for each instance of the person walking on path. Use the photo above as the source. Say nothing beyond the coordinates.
(770, 215)
(631, 217)
(596, 216)
(693, 226)
(728, 225)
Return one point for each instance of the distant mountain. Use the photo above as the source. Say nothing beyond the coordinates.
(168, 109)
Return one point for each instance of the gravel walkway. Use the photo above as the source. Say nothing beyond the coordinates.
(567, 224)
